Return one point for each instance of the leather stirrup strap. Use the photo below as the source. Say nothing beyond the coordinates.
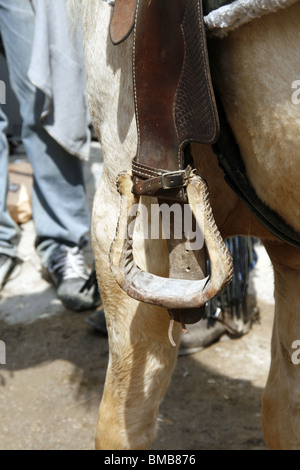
(174, 105)
(174, 96)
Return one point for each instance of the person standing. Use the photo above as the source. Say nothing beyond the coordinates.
(59, 202)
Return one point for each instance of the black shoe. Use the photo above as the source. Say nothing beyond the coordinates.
(200, 335)
(210, 330)
(97, 321)
(71, 277)
(8, 265)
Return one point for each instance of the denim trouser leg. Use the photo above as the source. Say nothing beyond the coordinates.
(60, 207)
(9, 231)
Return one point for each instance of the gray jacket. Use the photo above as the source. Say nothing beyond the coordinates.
(57, 69)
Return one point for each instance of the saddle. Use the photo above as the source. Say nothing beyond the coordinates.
(174, 106)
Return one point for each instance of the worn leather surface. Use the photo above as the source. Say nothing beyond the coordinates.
(122, 21)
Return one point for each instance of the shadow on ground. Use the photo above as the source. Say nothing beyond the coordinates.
(51, 386)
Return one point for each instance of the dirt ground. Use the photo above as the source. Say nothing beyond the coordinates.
(51, 384)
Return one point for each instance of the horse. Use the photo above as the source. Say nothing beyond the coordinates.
(254, 69)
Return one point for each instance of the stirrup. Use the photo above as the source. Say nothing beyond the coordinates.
(167, 292)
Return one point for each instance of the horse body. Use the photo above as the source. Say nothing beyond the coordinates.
(254, 69)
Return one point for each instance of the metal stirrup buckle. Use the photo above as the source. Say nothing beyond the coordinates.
(175, 179)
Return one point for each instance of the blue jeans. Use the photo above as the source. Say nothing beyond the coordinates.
(60, 207)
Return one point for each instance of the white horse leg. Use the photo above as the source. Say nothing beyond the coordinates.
(255, 69)
(281, 398)
(141, 357)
